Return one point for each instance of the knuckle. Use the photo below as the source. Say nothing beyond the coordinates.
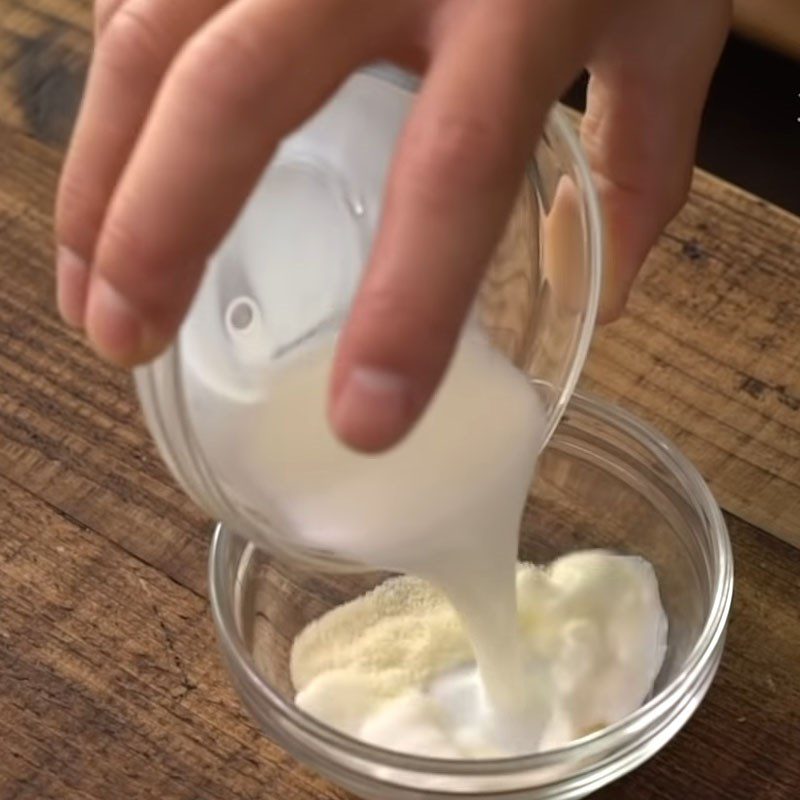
(130, 262)
(79, 212)
(121, 243)
(219, 68)
(155, 275)
(130, 40)
(464, 152)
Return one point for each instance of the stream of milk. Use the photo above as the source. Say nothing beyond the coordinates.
(445, 506)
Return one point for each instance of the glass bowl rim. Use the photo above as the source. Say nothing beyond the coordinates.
(603, 741)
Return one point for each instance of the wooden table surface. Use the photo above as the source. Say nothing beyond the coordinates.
(110, 682)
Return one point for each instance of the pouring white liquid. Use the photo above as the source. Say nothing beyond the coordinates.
(445, 504)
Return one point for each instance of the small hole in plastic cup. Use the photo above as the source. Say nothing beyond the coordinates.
(240, 316)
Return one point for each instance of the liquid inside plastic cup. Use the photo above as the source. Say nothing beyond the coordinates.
(288, 271)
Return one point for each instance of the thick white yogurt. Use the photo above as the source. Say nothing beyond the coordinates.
(395, 667)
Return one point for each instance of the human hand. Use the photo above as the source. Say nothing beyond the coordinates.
(186, 102)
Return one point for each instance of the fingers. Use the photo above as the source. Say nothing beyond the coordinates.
(454, 179)
(646, 95)
(135, 42)
(239, 85)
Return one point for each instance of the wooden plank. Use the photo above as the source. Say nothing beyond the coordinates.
(110, 685)
(709, 350)
(775, 23)
(44, 49)
(70, 427)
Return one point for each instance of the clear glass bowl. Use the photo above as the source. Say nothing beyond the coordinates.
(289, 270)
(606, 480)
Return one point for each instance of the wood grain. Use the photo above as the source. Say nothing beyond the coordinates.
(69, 426)
(709, 350)
(44, 50)
(110, 685)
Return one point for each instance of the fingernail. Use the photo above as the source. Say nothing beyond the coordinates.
(72, 283)
(115, 328)
(374, 409)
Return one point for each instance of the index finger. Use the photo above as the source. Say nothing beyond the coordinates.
(231, 94)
